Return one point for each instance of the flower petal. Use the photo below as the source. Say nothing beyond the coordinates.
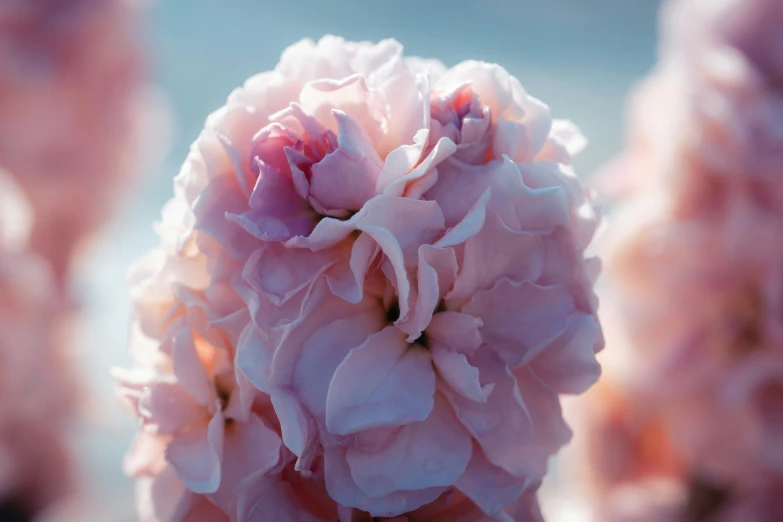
(437, 271)
(521, 319)
(345, 179)
(426, 454)
(254, 357)
(458, 373)
(489, 486)
(496, 252)
(343, 489)
(383, 382)
(196, 455)
(569, 365)
(250, 447)
(168, 408)
(457, 331)
(189, 369)
(501, 425)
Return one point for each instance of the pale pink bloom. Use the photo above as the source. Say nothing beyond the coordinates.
(750, 26)
(408, 244)
(35, 385)
(695, 282)
(68, 93)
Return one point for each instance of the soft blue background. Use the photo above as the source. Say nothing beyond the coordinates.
(579, 56)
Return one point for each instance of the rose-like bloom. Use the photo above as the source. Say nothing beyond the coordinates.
(68, 95)
(372, 272)
(695, 272)
(35, 387)
(718, 90)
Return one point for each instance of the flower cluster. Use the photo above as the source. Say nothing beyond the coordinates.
(696, 265)
(34, 388)
(370, 291)
(69, 91)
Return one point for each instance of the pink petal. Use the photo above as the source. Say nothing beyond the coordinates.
(280, 273)
(296, 424)
(243, 396)
(457, 331)
(343, 489)
(437, 271)
(323, 353)
(400, 226)
(406, 98)
(276, 501)
(196, 455)
(169, 408)
(569, 364)
(460, 186)
(501, 425)
(145, 457)
(397, 182)
(250, 447)
(350, 95)
(401, 161)
(489, 486)
(423, 455)
(469, 226)
(458, 373)
(550, 432)
(347, 280)
(276, 212)
(254, 357)
(345, 179)
(496, 252)
(321, 310)
(189, 369)
(383, 382)
(521, 319)
(223, 196)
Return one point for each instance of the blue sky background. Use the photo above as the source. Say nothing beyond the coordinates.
(579, 56)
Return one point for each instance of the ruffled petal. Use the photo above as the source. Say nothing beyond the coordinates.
(521, 319)
(426, 454)
(196, 455)
(383, 382)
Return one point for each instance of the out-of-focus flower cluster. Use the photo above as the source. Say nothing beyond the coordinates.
(688, 425)
(70, 78)
(69, 96)
(35, 391)
(370, 292)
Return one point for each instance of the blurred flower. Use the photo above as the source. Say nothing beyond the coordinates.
(695, 275)
(35, 386)
(70, 98)
(370, 291)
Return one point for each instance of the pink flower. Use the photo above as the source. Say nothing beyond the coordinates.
(68, 93)
(752, 27)
(408, 244)
(695, 280)
(35, 385)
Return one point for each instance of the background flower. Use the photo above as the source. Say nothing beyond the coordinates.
(35, 384)
(694, 276)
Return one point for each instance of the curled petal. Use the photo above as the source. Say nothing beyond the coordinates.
(521, 319)
(426, 454)
(196, 455)
(383, 382)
